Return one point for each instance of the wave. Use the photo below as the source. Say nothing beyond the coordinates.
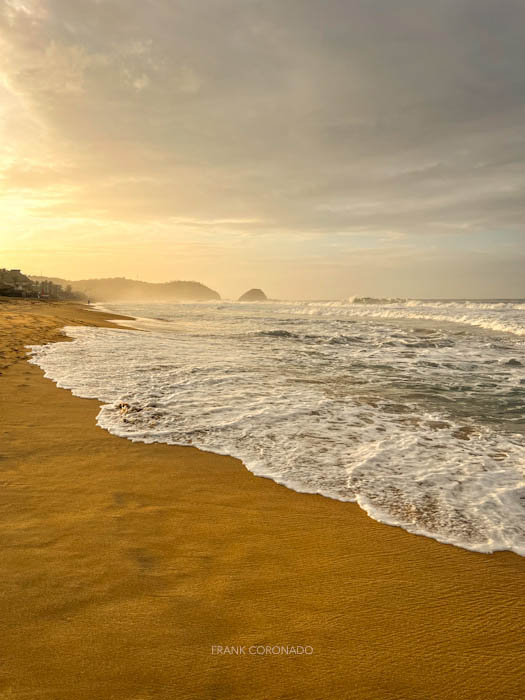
(375, 300)
(345, 421)
(496, 304)
(505, 317)
(275, 334)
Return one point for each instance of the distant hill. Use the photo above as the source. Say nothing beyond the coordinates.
(122, 289)
(55, 280)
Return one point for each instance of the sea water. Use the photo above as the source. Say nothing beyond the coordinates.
(413, 409)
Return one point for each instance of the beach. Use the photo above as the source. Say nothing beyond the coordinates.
(126, 566)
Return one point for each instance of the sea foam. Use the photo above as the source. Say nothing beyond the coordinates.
(416, 416)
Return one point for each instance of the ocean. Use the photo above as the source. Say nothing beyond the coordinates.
(415, 409)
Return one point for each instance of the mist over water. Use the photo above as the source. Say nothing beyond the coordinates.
(414, 409)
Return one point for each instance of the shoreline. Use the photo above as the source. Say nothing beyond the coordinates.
(127, 562)
(258, 467)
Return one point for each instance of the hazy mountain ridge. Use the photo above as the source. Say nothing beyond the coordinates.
(123, 289)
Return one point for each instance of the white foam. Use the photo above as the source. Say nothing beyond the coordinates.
(507, 317)
(422, 426)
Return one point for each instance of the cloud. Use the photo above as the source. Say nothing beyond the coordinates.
(392, 121)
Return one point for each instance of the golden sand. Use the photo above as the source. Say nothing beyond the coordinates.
(122, 564)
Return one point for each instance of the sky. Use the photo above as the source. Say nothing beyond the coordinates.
(313, 148)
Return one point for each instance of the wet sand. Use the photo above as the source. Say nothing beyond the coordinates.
(123, 564)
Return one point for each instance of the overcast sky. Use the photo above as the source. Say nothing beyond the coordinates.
(314, 148)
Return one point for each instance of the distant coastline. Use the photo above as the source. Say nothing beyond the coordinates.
(123, 289)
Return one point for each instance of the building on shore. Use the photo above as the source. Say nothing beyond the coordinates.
(13, 283)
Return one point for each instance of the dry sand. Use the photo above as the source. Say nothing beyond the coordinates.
(122, 564)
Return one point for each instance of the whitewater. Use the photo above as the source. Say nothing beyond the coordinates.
(413, 409)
